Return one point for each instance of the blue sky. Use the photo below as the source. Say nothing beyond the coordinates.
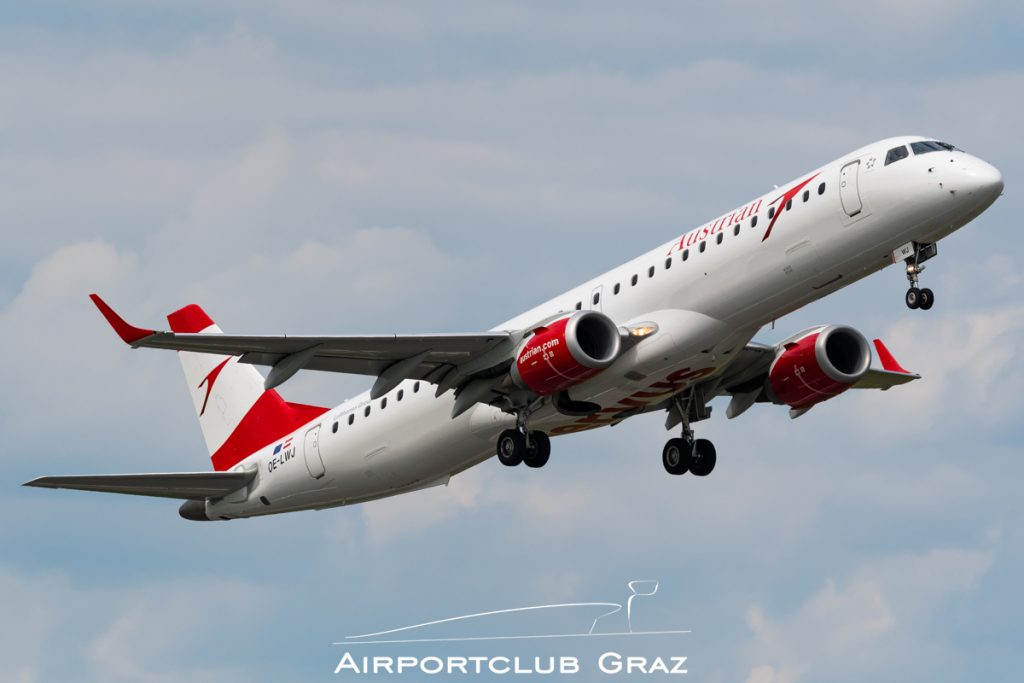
(365, 167)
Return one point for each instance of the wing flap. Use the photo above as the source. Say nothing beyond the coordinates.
(179, 485)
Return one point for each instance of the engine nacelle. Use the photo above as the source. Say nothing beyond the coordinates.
(566, 352)
(819, 365)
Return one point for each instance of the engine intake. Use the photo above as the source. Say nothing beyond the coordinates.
(819, 365)
(566, 352)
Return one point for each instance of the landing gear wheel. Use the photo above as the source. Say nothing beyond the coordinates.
(704, 458)
(927, 299)
(539, 451)
(676, 456)
(913, 298)
(511, 447)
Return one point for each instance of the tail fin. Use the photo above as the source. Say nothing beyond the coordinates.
(235, 413)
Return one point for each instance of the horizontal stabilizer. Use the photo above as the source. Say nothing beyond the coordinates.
(181, 485)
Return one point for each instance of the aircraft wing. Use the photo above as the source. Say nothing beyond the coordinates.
(746, 376)
(180, 485)
(392, 358)
(745, 379)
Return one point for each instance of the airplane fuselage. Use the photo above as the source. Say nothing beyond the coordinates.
(707, 292)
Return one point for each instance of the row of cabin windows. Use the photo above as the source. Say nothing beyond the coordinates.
(383, 404)
(719, 238)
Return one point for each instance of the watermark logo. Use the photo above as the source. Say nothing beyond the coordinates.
(611, 621)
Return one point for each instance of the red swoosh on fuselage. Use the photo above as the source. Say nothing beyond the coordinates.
(790, 193)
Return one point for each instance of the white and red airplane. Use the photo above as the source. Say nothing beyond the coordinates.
(668, 331)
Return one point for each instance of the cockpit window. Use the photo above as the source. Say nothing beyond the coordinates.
(932, 146)
(896, 153)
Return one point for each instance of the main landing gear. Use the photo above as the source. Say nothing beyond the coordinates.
(919, 298)
(696, 456)
(688, 454)
(516, 446)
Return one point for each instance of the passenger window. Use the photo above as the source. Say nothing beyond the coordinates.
(401, 393)
(821, 188)
(615, 289)
(650, 272)
(897, 153)
(383, 403)
(686, 254)
(597, 297)
(632, 281)
(366, 412)
(736, 229)
(719, 238)
(351, 418)
(668, 263)
(703, 246)
(753, 222)
(771, 212)
(789, 204)
(415, 387)
(334, 428)
(579, 305)
(807, 195)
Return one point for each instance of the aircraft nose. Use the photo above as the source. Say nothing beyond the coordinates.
(983, 178)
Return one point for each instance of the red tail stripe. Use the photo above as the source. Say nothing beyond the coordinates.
(189, 320)
(269, 419)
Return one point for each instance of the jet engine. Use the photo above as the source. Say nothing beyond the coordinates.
(565, 352)
(817, 365)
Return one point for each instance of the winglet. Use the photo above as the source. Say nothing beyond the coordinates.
(128, 333)
(888, 362)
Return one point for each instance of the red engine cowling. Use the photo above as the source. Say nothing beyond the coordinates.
(566, 352)
(818, 366)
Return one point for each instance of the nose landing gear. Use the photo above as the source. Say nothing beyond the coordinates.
(916, 255)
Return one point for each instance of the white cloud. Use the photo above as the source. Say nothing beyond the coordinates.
(123, 633)
(969, 365)
(877, 622)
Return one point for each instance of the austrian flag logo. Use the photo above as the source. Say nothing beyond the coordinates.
(284, 445)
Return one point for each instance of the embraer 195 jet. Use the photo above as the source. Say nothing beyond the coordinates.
(668, 331)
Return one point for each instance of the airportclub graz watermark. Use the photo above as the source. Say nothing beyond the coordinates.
(624, 650)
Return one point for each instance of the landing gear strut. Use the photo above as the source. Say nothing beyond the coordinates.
(522, 445)
(919, 298)
(688, 454)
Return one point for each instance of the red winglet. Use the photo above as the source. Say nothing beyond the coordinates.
(888, 362)
(126, 332)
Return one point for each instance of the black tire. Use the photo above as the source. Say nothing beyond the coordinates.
(511, 447)
(704, 458)
(927, 299)
(913, 298)
(676, 456)
(539, 451)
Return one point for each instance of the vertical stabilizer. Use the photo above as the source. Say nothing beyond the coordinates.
(235, 413)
